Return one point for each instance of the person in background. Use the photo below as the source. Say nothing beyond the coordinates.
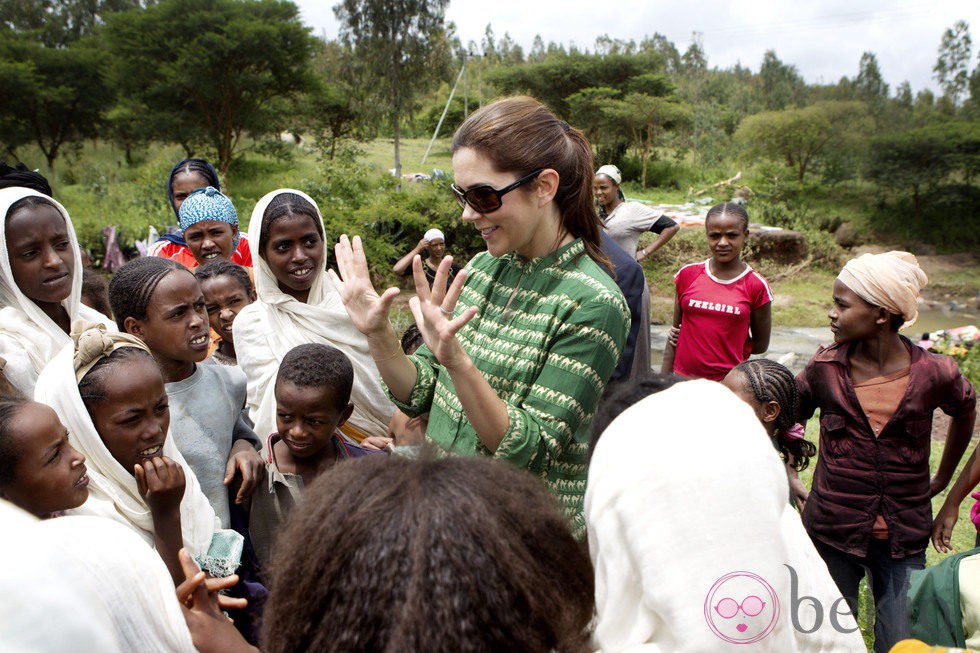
(869, 505)
(210, 225)
(722, 307)
(186, 177)
(435, 242)
(627, 221)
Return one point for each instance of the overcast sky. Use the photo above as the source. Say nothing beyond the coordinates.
(824, 39)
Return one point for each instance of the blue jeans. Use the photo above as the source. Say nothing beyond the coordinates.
(889, 581)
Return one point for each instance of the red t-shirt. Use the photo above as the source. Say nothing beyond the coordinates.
(180, 253)
(715, 317)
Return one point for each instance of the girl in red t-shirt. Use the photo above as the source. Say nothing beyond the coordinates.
(723, 308)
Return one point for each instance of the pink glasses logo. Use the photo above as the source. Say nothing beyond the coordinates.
(741, 608)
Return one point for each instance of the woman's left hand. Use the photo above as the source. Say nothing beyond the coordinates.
(433, 310)
(367, 309)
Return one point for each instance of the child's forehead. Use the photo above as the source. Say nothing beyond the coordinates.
(315, 395)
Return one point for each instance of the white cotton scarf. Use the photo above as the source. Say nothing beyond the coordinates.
(891, 280)
(686, 505)
(267, 329)
(112, 490)
(84, 584)
(28, 337)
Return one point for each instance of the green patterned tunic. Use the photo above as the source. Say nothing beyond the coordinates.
(547, 337)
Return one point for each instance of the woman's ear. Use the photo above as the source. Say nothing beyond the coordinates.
(547, 186)
(770, 411)
(883, 317)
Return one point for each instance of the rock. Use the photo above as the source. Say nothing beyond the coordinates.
(847, 235)
(784, 247)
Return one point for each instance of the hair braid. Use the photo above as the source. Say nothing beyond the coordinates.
(132, 287)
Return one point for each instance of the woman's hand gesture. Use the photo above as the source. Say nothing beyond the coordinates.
(367, 309)
(433, 309)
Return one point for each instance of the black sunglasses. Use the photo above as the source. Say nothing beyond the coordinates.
(487, 199)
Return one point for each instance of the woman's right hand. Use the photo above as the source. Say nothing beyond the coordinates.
(367, 309)
(161, 483)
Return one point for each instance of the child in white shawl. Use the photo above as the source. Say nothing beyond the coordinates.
(283, 318)
(84, 584)
(694, 544)
(29, 336)
(114, 491)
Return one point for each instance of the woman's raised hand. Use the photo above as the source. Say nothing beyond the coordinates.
(367, 309)
(433, 309)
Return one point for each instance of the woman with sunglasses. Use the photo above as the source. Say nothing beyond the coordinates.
(519, 348)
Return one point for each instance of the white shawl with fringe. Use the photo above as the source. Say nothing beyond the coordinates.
(112, 490)
(28, 337)
(268, 328)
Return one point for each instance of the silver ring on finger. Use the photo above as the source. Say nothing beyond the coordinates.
(445, 312)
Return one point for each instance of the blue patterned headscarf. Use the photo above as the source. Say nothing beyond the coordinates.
(208, 204)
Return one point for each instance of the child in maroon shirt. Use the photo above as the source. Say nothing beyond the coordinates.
(869, 506)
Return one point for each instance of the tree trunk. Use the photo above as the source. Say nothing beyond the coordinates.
(398, 160)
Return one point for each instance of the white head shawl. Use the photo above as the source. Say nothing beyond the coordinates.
(278, 322)
(112, 489)
(84, 584)
(29, 337)
(891, 280)
(687, 506)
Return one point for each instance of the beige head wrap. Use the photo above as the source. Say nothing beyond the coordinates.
(891, 280)
(93, 343)
(612, 172)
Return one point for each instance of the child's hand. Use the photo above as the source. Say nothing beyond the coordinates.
(672, 334)
(942, 527)
(161, 482)
(202, 605)
(376, 443)
(247, 461)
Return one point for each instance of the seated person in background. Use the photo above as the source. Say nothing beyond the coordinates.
(458, 554)
(313, 391)
(435, 242)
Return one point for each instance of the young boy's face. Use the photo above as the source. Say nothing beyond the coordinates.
(306, 417)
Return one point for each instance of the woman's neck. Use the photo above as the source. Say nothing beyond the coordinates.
(57, 313)
(299, 295)
(884, 353)
(612, 205)
(728, 270)
(434, 261)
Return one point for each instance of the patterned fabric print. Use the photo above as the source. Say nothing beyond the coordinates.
(548, 335)
(207, 204)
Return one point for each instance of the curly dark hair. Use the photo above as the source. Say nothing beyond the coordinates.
(132, 286)
(772, 381)
(285, 204)
(458, 554)
(315, 365)
(22, 176)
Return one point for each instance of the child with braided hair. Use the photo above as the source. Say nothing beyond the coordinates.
(770, 388)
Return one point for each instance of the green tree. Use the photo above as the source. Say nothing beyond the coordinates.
(780, 84)
(57, 23)
(55, 95)
(952, 67)
(920, 160)
(799, 136)
(648, 118)
(588, 112)
(404, 50)
(869, 83)
(207, 73)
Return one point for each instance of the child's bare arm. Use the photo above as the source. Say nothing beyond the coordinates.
(161, 483)
(942, 526)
